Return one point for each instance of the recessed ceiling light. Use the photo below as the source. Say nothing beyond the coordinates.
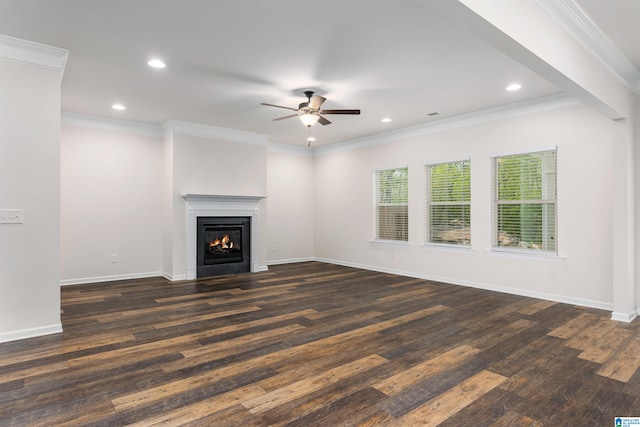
(156, 63)
(311, 139)
(386, 120)
(514, 86)
(118, 107)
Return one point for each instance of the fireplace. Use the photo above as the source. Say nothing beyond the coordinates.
(223, 206)
(223, 245)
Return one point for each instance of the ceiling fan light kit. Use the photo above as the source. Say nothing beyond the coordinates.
(309, 119)
(309, 112)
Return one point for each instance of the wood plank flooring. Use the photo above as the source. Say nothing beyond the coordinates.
(314, 344)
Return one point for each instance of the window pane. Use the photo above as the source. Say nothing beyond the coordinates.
(393, 222)
(529, 226)
(527, 176)
(393, 186)
(450, 182)
(448, 211)
(525, 201)
(392, 204)
(450, 224)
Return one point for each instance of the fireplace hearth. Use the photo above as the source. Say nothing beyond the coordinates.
(223, 245)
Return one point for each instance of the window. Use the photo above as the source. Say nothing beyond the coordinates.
(392, 207)
(525, 201)
(448, 203)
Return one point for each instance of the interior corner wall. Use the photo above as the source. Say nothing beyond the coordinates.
(29, 180)
(582, 274)
(167, 204)
(290, 206)
(209, 166)
(110, 203)
(636, 146)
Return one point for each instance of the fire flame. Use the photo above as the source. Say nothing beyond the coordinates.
(224, 243)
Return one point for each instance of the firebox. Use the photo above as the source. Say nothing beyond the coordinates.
(223, 245)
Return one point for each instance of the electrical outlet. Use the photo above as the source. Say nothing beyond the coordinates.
(553, 274)
(11, 216)
(115, 258)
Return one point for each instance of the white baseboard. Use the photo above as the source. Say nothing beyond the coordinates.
(291, 260)
(30, 332)
(486, 286)
(174, 277)
(262, 268)
(624, 317)
(96, 279)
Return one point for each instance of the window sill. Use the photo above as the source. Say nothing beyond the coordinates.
(389, 242)
(527, 255)
(447, 248)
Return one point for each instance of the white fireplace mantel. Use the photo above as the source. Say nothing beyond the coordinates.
(200, 205)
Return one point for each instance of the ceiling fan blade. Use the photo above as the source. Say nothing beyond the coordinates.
(323, 121)
(286, 117)
(316, 101)
(278, 106)
(340, 112)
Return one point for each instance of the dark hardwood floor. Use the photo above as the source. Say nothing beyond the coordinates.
(314, 344)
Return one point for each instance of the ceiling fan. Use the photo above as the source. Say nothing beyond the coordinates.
(309, 112)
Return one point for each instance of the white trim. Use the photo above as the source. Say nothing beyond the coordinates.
(390, 242)
(486, 286)
(32, 53)
(111, 278)
(213, 132)
(174, 277)
(507, 111)
(21, 334)
(519, 151)
(446, 247)
(445, 161)
(528, 254)
(624, 317)
(573, 19)
(107, 123)
(199, 205)
(393, 167)
(290, 261)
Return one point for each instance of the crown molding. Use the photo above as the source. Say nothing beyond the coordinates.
(213, 132)
(576, 22)
(106, 123)
(536, 105)
(32, 53)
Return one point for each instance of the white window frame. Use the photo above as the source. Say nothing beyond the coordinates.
(377, 204)
(428, 203)
(549, 233)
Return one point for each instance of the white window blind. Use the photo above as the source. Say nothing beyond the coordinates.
(448, 203)
(392, 207)
(524, 208)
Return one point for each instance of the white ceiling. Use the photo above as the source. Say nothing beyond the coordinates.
(397, 59)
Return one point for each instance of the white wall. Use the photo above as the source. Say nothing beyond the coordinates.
(344, 207)
(111, 204)
(208, 166)
(29, 180)
(290, 205)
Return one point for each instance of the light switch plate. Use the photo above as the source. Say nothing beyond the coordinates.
(11, 216)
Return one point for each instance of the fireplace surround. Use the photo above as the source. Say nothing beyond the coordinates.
(222, 206)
